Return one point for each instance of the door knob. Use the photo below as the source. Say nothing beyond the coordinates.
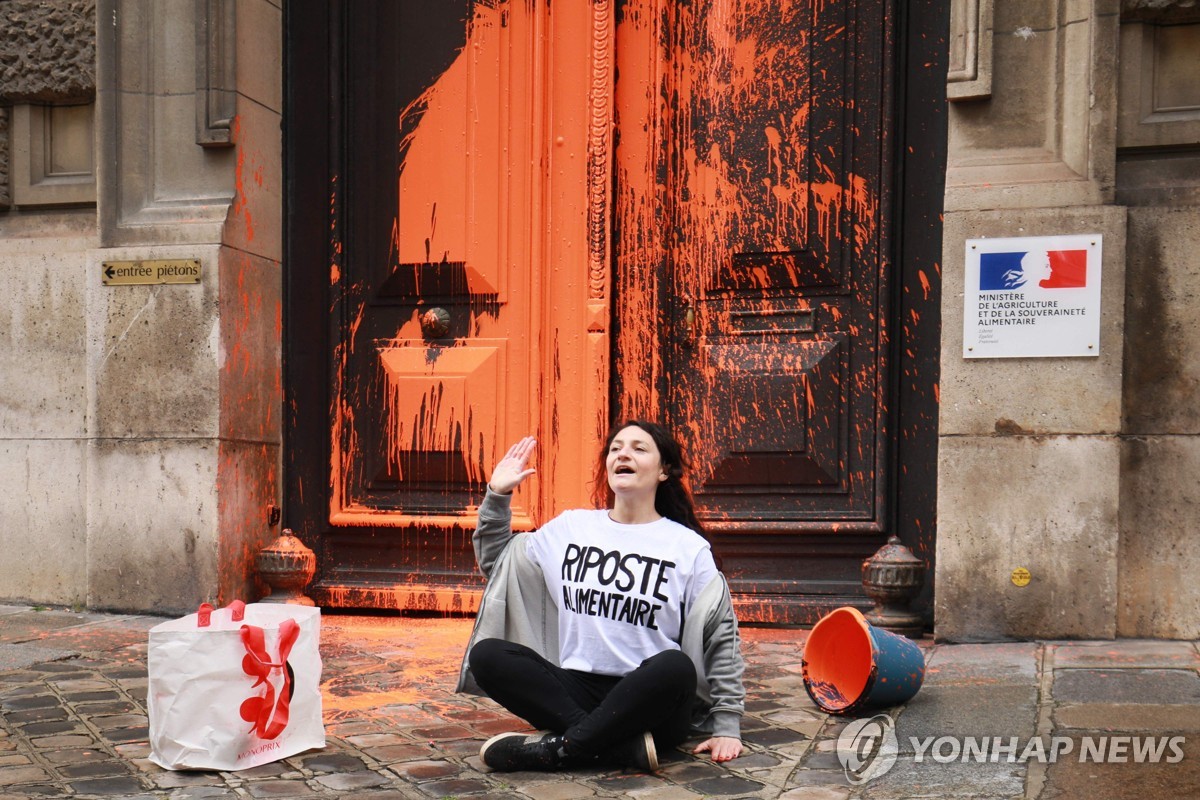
(435, 322)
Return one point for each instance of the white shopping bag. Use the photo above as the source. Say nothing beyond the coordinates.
(235, 687)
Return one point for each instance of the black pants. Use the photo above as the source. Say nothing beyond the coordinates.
(594, 711)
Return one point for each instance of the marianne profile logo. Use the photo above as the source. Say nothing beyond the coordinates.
(1043, 269)
(867, 748)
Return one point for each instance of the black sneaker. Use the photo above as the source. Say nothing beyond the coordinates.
(513, 752)
(638, 753)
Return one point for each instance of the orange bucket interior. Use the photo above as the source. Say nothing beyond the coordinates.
(838, 659)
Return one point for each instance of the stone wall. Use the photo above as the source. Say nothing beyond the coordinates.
(43, 406)
(47, 50)
(1158, 180)
(1076, 469)
(47, 55)
(139, 424)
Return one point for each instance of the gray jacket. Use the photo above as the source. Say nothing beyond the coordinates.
(517, 607)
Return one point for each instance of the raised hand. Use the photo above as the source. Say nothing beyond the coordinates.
(511, 471)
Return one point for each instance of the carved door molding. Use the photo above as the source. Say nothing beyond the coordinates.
(757, 295)
(463, 260)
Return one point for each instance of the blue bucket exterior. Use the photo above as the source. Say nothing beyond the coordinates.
(894, 674)
(897, 673)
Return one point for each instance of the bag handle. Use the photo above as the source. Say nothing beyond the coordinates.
(204, 613)
(254, 640)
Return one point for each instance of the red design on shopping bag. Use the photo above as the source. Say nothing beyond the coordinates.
(268, 711)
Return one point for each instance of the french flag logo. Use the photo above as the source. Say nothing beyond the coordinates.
(1048, 269)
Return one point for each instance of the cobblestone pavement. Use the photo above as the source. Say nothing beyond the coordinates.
(73, 691)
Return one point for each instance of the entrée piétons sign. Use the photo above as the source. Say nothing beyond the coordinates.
(134, 273)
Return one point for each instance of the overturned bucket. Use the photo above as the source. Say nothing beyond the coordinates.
(850, 665)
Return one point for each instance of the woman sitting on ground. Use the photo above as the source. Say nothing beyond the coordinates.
(612, 631)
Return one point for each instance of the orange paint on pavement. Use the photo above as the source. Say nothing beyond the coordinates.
(417, 659)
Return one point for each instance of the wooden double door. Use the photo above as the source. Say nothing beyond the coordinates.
(526, 217)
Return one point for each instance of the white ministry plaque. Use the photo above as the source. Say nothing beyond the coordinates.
(1032, 297)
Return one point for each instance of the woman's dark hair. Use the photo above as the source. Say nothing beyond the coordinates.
(672, 500)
